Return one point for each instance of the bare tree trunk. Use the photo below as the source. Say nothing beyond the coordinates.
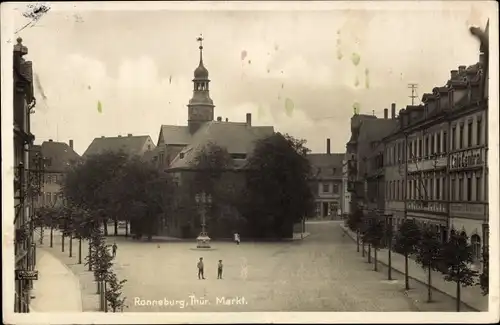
(62, 243)
(70, 245)
(80, 250)
(375, 259)
(389, 269)
(429, 285)
(126, 228)
(116, 226)
(51, 237)
(363, 248)
(407, 281)
(458, 296)
(90, 255)
(105, 227)
(357, 241)
(369, 253)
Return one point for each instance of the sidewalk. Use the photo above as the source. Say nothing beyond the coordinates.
(57, 288)
(471, 296)
(88, 287)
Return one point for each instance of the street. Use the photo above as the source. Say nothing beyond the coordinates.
(321, 273)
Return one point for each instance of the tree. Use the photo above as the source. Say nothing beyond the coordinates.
(407, 239)
(457, 257)
(277, 192)
(140, 193)
(85, 184)
(374, 236)
(429, 255)
(114, 292)
(484, 281)
(354, 223)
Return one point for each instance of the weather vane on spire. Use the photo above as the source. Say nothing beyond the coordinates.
(200, 39)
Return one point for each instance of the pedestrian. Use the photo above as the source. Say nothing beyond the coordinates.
(219, 270)
(201, 269)
(237, 238)
(114, 249)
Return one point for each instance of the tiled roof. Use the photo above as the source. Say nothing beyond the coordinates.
(175, 134)
(326, 166)
(58, 156)
(236, 138)
(131, 145)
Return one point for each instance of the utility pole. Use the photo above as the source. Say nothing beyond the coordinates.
(413, 87)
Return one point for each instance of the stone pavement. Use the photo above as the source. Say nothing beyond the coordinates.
(57, 288)
(88, 287)
(470, 296)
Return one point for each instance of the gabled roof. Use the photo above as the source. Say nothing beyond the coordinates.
(326, 166)
(58, 156)
(236, 138)
(131, 145)
(175, 134)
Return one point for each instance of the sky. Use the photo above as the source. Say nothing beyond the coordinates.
(301, 71)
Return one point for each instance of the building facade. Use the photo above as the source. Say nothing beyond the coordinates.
(435, 163)
(326, 183)
(25, 185)
(365, 177)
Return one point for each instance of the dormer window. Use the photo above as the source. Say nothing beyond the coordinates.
(181, 155)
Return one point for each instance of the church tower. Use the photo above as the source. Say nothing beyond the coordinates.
(201, 106)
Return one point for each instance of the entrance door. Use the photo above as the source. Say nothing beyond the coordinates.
(325, 209)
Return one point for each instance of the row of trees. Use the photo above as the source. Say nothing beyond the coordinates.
(452, 258)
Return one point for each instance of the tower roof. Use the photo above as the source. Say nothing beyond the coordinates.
(201, 72)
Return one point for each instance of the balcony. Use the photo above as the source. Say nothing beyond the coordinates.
(469, 210)
(427, 206)
(428, 163)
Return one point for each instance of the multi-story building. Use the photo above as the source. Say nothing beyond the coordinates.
(326, 182)
(435, 163)
(57, 157)
(24, 186)
(363, 160)
(132, 145)
(346, 195)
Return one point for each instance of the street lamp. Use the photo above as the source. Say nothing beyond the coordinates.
(203, 200)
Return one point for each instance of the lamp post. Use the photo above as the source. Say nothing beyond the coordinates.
(388, 231)
(203, 200)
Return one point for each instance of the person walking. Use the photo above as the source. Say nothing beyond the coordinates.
(219, 270)
(201, 269)
(115, 247)
(237, 238)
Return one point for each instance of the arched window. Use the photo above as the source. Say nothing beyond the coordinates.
(476, 247)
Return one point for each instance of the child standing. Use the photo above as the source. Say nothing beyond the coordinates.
(200, 265)
(219, 270)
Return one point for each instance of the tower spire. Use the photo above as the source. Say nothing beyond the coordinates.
(200, 40)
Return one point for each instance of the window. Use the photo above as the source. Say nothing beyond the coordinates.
(478, 132)
(453, 138)
(431, 189)
(432, 144)
(326, 188)
(460, 189)
(438, 188)
(445, 142)
(426, 146)
(335, 188)
(478, 188)
(476, 247)
(438, 143)
(453, 189)
(469, 134)
(461, 136)
(411, 150)
(469, 189)
(49, 198)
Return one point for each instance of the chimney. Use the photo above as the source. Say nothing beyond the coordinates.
(386, 113)
(328, 146)
(50, 140)
(219, 118)
(393, 110)
(71, 144)
(454, 74)
(129, 135)
(461, 69)
(249, 119)
(227, 120)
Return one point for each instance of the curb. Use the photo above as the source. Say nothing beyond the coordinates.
(414, 279)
